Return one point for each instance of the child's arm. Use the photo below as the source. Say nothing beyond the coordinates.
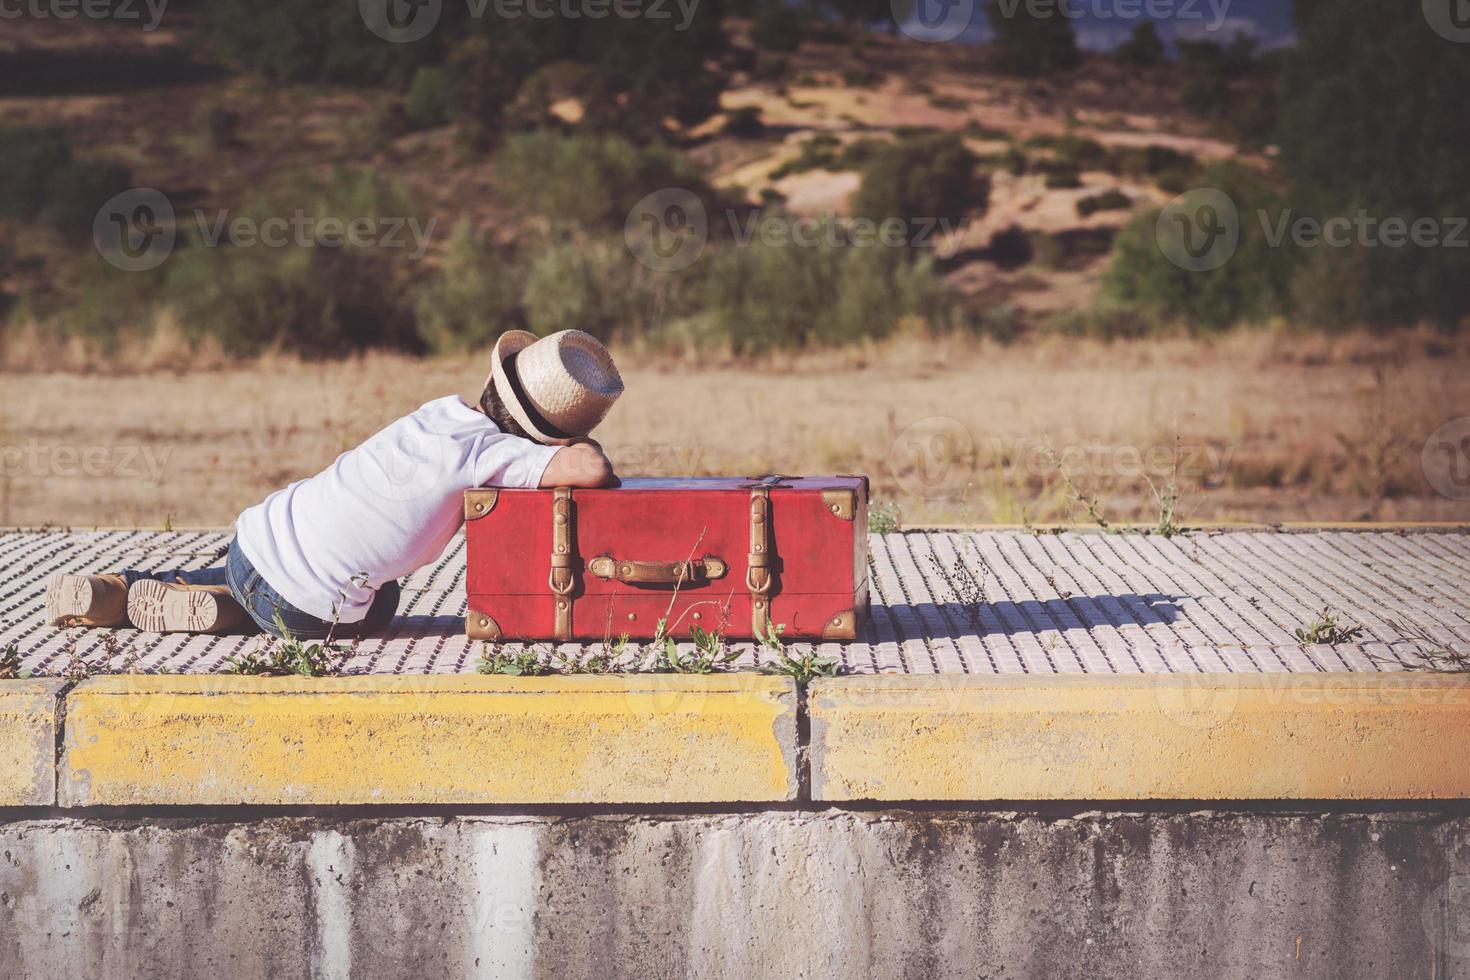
(581, 464)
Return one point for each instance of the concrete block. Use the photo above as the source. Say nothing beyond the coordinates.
(28, 713)
(1168, 736)
(429, 739)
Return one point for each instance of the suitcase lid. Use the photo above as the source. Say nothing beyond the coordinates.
(742, 484)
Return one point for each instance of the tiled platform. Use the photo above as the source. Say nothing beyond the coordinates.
(1053, 603)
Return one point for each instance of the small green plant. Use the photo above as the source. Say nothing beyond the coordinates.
(968, 591)
(10, 668)
(289, 657)
(1328, 629)
(1432, 655)
(586, 661)
(801, 667)
(1075, 494)
(529, 662)
(884, 517)
(711, 652)
(1167, 498)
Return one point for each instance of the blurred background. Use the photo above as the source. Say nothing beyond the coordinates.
(1021, 261)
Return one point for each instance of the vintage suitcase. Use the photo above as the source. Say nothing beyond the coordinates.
(714, 552)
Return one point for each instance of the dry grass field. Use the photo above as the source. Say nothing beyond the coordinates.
(1264, 426)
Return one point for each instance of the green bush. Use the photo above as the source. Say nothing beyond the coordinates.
(475, 296)
(1032, 44)
(1060, 175)
(778, 27)
(929, 176)
(41, 179)
(223, 127)
(1249, 286)
(818, 152)
(427, 104)
(590, 285)
(1357, 134)
(1143, 49)
(744, 123)
(1073, 150)
(1108, 200)
(760, 296)
(316, 299)
(587, 180)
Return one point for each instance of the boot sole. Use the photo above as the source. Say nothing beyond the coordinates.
(72, 600)
(157, 607)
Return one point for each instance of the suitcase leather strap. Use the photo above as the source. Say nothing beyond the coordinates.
(562, 579)
(758, 573)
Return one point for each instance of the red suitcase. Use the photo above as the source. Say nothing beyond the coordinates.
(716, 552)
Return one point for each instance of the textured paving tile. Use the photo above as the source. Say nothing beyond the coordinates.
(973, 602)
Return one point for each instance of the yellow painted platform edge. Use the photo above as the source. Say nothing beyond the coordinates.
(28, 743)
(1214, 736)
(210, 740)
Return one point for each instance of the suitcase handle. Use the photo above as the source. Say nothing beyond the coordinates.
(633, 572)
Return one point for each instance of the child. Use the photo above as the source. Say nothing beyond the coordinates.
(324, 555)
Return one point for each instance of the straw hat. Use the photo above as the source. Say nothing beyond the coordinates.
(557, 387)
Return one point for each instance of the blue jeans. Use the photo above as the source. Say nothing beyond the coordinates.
(264, 603)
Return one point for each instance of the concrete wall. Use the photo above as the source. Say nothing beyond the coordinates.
(783, 893)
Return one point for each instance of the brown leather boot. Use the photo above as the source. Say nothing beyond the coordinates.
(162, 607)
(86, 600)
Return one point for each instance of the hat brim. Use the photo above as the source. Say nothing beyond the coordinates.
(513, 342)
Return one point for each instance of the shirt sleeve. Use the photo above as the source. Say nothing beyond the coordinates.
(504, 460)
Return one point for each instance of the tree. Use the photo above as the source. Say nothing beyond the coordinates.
(927, 177)
(1372, 118)
(1032, 42)
(1144, 48)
